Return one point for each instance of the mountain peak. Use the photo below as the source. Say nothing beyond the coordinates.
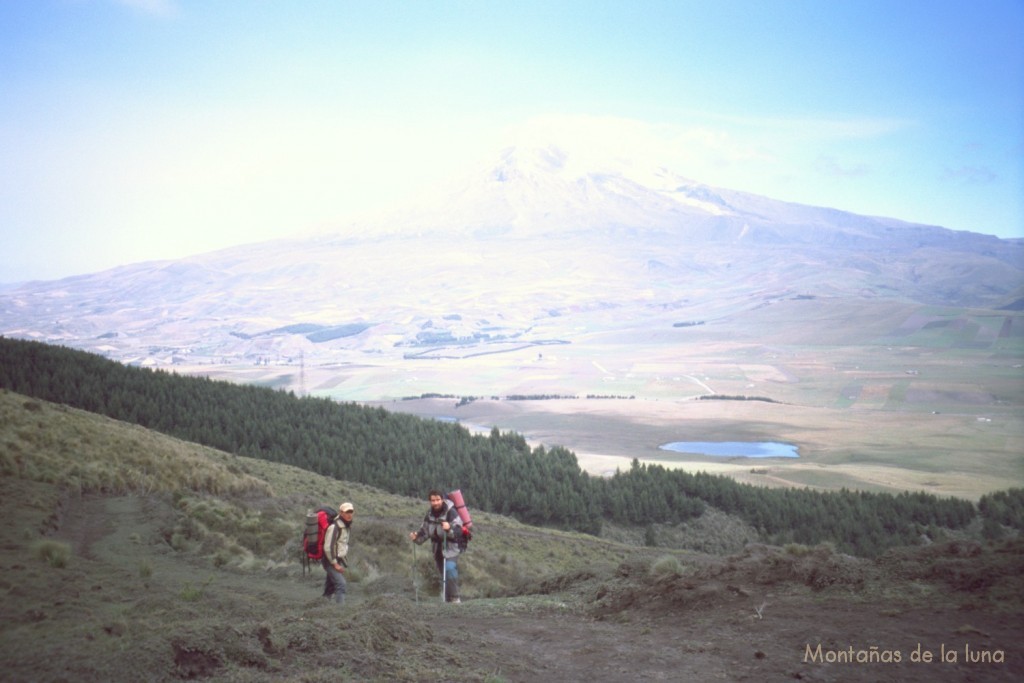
(540, 187)
(519, 161)
(545, 185)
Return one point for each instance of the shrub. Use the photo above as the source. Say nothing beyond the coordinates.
(192, 593)
(667, 565)
(55, 553)
(179, 542)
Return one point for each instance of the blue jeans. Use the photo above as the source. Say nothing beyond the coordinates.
(449, 572)
(334, 583)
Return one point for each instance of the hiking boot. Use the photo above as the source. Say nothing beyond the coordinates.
(457, 601)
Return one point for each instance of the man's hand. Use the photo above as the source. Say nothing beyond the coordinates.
(446, 526)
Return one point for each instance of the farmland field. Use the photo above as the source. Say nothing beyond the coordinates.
(876, 396)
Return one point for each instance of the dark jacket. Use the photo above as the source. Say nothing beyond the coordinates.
(431, 530)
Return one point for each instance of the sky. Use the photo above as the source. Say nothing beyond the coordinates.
(134, 130)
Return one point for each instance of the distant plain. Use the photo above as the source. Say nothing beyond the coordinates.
(877, 395)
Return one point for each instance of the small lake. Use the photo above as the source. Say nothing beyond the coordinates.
(734, 449)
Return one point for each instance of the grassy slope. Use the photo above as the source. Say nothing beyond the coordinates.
(127, 555)
(118, 539)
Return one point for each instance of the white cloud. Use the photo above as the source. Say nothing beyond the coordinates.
(703, 141)
(980, 175)
(595, 143)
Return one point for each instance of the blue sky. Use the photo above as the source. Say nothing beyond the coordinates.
(146, 129)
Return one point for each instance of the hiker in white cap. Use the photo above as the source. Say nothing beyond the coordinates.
(335, 553)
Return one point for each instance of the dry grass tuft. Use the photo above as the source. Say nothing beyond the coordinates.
(54, 553)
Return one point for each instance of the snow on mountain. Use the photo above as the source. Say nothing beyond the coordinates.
(540, 189)
(537, 244)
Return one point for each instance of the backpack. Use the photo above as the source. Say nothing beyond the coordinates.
(317, 522)
(459, 504)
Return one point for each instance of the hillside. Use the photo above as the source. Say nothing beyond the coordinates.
(128, 555)
(506, 475)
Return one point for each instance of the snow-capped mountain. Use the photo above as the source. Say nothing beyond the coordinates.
(541, 190)
(537, 190)
(534, 246)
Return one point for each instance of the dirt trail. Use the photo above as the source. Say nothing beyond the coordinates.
(728, 642)
(740, 626)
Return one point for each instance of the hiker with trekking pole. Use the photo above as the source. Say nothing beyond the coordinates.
(335, 552)
(442, 526)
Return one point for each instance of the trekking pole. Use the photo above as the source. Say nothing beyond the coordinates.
(444, 572)
(415, 582)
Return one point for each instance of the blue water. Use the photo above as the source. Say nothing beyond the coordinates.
(734, 449)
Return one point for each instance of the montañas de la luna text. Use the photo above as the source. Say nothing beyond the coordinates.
(877, 655)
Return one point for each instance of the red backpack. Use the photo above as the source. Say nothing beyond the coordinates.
(467, 521)
(317, 522)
